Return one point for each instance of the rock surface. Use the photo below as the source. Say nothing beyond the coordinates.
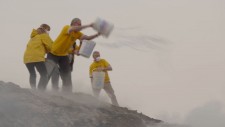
(21, 107)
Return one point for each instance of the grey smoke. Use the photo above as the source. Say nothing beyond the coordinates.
(168, 125)
(209, 115)
(141, 41)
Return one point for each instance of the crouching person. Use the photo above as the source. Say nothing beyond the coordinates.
(101, 65)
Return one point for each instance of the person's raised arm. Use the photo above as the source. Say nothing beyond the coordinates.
(78, 28)
(85, 37)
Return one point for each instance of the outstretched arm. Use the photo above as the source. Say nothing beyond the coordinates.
(85, 37)
(79, 28)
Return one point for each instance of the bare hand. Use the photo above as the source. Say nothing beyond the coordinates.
(76, 52)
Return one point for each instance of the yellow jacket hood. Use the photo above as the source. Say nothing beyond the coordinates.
(37, 47)
(33, 33)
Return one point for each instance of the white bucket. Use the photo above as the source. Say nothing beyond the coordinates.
(103, 27)
(98, 80)
(86, 48)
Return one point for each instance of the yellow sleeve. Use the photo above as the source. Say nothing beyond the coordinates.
(77, 47)
(77, 35)
(106, 64)
(65, 29)
(80, 35)
(70, 51)
(90, 71)
(47, 41)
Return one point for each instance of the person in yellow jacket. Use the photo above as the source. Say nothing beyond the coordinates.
(34, 57)
(61, 47)
(101, 65)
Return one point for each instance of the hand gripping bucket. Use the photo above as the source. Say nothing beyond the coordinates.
(98, 80)
(86, 48)
(103, 27)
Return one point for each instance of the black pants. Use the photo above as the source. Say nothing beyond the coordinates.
(56, 73)
(41, 68)
(65, 70)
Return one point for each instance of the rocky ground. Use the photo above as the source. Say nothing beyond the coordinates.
(21, 107)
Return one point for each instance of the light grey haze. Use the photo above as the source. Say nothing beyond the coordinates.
(168, 56)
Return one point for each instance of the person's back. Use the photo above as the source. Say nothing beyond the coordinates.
(37, 47)
(34, 56)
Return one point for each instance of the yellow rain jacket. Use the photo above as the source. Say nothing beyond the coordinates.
(37, 47)
(33, 33)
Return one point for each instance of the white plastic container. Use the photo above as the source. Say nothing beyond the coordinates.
(86, 48)
(103, 27)
(98, 80)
